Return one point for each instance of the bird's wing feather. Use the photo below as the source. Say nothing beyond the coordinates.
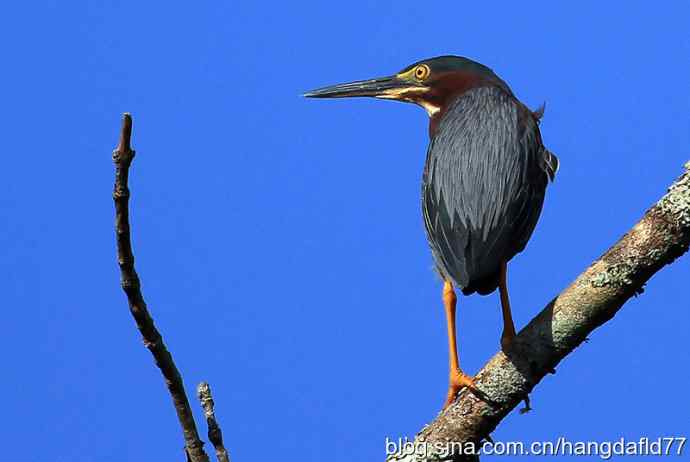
(483, 185)
(551, 164)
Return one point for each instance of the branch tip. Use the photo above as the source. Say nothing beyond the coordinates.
(215, 435)
(124, 146)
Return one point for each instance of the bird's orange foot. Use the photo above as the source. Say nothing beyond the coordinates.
(458, 380)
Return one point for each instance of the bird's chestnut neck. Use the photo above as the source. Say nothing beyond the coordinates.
(447, 87)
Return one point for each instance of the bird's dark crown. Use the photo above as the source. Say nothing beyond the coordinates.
(449, 75)
(450, 63)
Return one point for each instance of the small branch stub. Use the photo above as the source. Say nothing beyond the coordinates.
(215, 435)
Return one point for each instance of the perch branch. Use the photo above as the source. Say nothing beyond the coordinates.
(122, 156)
(215, 435)
(661, 236)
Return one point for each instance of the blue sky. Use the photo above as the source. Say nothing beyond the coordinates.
(280, 240)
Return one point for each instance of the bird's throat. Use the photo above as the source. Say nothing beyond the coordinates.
(430, 108)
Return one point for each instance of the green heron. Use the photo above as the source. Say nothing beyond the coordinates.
(484, 179)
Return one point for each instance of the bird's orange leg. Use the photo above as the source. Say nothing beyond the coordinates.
(508, 326)
(457, 379)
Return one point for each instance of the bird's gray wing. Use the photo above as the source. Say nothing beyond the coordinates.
(483, 186)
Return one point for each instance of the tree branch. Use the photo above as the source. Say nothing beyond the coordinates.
(661, 236)
(215, 435)
(122, 156)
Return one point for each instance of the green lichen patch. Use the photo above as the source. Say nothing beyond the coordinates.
(617, 275)
(676, 203)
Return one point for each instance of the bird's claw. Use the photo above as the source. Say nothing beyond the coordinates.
(457, 381)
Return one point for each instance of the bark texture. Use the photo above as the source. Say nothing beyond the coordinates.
(661, 236)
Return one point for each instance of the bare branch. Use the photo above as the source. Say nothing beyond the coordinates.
(122, 156)
(661, 236)
(215, 435)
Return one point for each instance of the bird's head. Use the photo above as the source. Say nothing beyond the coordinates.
(430, 83)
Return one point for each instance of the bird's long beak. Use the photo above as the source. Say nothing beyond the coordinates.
(392, 87)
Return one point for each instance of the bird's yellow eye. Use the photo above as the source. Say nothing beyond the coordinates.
(421, 72)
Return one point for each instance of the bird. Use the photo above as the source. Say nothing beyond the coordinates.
(483, 184)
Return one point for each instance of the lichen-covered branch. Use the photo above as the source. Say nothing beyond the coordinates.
(661, 236)
(122, 156)
(215, 435)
